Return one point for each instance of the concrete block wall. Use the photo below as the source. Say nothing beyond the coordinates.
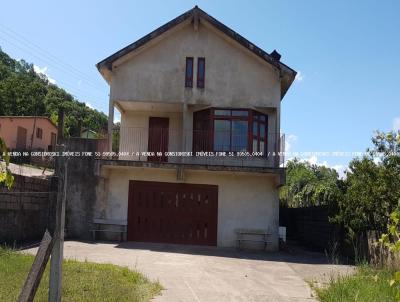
(24, 210)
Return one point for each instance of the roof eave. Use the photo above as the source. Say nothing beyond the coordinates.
(288, 74)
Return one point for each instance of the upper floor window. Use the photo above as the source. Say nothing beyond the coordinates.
(201, 72)
(231, 130)
(189, 72)
(39, 133)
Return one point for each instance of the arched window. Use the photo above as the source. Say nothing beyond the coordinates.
(230, 130)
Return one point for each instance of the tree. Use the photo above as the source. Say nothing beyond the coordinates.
(310, 185)
(24, 92)
(373, 187)
(5, 174)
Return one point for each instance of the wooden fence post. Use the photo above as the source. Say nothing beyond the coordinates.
(58, 235)
(57, 253)
(35, 274)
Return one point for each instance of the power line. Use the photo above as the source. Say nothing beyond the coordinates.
(64, 83)
(49, 58)
(88, 77)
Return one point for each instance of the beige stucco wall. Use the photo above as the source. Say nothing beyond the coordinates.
(245, 200)
(234, 76)
(134, 132)
(9, 126)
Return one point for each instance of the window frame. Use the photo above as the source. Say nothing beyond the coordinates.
(39, 133)
(201, 81)
(251, 117)
(189, 78)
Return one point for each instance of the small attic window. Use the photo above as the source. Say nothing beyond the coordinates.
(201, 72)
(189, 72)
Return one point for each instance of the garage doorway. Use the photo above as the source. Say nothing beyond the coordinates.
(172, 213)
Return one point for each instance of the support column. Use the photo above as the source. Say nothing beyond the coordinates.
(184, 129)
(278, 135)
(110, 124)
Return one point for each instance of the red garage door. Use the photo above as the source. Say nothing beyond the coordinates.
(172, 213)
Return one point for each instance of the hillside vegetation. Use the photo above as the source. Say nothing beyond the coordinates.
(24, 92)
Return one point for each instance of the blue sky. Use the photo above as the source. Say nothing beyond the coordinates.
(346, 52)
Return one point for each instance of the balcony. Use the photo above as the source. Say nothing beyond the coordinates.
(198, 147)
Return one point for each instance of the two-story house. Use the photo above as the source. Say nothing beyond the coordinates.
(189, 92)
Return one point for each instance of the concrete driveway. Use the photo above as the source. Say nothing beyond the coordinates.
(192, 273)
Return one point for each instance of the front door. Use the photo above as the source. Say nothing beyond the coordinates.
(158, 138)
(21, 138)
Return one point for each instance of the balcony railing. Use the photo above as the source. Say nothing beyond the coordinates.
(203, 147)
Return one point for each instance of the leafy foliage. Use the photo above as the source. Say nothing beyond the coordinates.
(391, 240)
(24, 92)
(310, 185)
(5, 174)
(373, 186)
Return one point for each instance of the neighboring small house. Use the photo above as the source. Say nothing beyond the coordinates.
(28, 132)
(87, 133)
(192, 85)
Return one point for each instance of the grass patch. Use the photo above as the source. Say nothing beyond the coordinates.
(366, 285)
(82, 281)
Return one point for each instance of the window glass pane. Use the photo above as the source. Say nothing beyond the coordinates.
(222, 135)
(239, 135)
(262, 147)
(255, 129)
(189, 72)
(262, 118)
(255, 146)
(240, 113)
(262, 131)
(222, 112)
(201, 70)
(189, 68)
(201, 65)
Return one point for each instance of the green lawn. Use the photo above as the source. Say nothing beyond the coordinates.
(82, 281)
(367, 285)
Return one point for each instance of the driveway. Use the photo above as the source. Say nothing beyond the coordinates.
(192, 273)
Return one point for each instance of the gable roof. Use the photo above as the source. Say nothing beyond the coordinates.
(287, 74)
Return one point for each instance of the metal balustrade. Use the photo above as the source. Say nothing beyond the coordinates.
(228, 148)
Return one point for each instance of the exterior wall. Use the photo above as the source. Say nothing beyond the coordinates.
(134, 132)
(26, 209)
(234, 76)
(9, 126)
(85, 189)
(256, 208)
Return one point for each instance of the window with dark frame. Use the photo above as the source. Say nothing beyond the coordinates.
(230, 130)
(189, 72)
(201, 72)
(39, 133)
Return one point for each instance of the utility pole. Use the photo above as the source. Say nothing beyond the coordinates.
(58, 235)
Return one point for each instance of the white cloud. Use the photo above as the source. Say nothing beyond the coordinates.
(79, 82)
(396, 124)
(289, 140)
(89, 105)
(299, 76)
(313, 160)
(117, 118)
(340, 169)
(43, 71)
